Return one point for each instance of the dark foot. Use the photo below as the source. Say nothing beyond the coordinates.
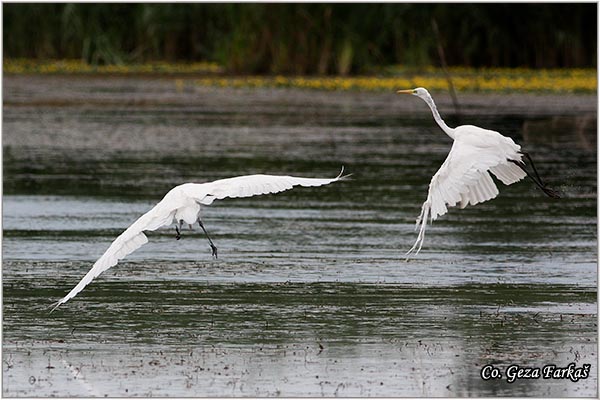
(178, 230)
(214, 250)
(551, 193)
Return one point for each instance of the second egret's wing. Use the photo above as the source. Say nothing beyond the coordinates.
(132, 239)
(464, 179)
(252, 185)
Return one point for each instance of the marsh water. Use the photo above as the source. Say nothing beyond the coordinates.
(311, 294)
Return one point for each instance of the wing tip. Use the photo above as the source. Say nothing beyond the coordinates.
(341, 175)
(55, 305)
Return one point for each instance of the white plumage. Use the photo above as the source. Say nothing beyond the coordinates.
(464, 178)
(182, 203)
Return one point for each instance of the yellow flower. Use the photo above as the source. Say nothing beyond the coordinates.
(463, 78)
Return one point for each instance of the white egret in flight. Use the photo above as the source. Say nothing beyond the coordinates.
(464, 177)
(182, 205)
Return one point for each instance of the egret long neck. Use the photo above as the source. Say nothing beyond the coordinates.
(436, 115)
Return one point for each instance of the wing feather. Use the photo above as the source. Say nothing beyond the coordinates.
(251, 185)
(508, 173)
(464, 179)
(126, 243)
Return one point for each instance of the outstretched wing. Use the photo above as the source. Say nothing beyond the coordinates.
(252, 185)
(162, 214)
(464, 179)
(132, 239)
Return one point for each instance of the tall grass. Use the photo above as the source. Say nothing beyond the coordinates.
(305, 38)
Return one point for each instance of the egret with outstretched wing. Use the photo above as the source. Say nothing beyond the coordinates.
(464, 178)
(182, 205)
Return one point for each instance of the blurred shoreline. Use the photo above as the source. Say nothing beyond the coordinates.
(547, 117)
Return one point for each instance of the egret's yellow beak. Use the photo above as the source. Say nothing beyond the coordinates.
(408, 91)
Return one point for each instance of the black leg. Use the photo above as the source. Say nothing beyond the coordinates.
(178, 230)
(549, 192)
(212, 245)
(533, 166)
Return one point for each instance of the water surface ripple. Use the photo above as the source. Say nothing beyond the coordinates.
(311, 294)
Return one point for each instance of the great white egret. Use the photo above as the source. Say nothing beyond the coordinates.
(182, 205)
(464, 177)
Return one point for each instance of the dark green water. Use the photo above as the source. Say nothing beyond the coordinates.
(311, 294)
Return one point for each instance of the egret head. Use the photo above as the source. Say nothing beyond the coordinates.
(421, 92)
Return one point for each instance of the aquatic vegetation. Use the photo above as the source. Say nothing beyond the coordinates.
(464, 79)
(297, 38)
(71, 66)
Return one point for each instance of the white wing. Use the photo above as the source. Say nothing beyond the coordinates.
(464, 179)
(251, 185)
(132, 239)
